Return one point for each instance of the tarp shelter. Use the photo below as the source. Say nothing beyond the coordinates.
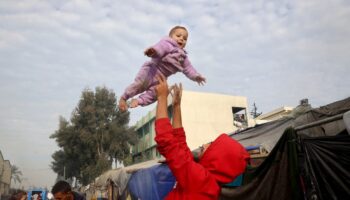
(309, 158)
(310, 161)
(113, 183)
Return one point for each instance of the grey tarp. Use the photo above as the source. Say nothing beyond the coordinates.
(323, 112)
(265, 135)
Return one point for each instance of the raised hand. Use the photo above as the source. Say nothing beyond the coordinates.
(176, 92)
(162, 87)
(162, 92)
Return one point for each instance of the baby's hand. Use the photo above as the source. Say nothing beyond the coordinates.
(123, 106)
(150, 52)
(200, 80)
(134, 103)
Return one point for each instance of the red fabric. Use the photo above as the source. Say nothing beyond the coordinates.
(223, 161)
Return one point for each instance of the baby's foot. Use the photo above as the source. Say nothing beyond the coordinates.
(123, 106)
(134, 103)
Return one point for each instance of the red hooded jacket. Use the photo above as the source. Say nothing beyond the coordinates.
(223, 161)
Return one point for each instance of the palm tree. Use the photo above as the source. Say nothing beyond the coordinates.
(16, 174)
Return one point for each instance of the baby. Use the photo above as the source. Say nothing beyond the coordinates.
(168, 57)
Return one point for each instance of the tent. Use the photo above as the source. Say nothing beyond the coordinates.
(311, 160)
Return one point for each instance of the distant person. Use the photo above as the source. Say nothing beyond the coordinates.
(219, 162)
(168, 57)
(19, 195)
(63, 191)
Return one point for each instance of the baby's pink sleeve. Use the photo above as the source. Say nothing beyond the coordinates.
(189, 70)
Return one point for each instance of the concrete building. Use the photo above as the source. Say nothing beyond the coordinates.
(1, 173)
(274, 114)
(204, 117)
(284, 111)
(5, 176)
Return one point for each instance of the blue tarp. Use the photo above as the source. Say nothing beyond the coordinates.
(152, 183)
(248, 148)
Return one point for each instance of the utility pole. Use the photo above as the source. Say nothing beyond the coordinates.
(255, 112)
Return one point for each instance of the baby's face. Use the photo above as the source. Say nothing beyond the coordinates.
(180, 36)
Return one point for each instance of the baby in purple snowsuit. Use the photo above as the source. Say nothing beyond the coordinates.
(168, 57)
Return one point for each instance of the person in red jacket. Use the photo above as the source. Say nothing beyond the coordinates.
(219, 162)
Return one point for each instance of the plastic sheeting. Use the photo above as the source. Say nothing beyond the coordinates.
(152, 183)
(276, 178)
(315, 168)
(316, 114)
(299, 168)
(328, 166)
(119, 176)
(264, 135)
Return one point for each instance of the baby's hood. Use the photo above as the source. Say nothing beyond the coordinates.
(225, 159)
(172, 42)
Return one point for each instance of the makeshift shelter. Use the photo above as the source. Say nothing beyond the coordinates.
(306, 156)
(113, 183)
(310, 161)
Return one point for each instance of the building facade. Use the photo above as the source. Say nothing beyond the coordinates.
(5, 176)
(204, 117)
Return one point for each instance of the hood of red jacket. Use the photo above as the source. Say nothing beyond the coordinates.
(225, 159)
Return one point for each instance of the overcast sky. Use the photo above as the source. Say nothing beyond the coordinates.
(273, 52)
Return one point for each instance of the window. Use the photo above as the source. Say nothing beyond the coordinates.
(139, 133)
(146, 128)
(239, 117)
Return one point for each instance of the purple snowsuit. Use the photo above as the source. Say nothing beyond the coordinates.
(169, 59)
